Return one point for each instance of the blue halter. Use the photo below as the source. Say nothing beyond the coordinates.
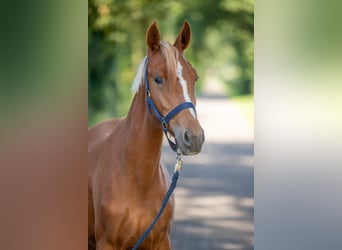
(164, 120)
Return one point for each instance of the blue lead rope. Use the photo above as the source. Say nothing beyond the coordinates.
(178, 167)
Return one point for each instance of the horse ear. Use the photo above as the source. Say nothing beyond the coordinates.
(184, 37)
(153, 37)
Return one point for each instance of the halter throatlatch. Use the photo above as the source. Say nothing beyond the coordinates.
(164, 120)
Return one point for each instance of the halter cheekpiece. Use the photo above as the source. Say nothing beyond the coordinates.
(164, 120)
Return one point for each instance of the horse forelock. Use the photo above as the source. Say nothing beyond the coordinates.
(170, 54)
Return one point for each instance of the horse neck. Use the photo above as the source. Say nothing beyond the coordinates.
(144, 140)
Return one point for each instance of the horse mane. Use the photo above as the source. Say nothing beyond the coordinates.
(138, 80)
(170, 54)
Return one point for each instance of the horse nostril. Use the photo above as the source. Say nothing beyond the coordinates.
(187, 137)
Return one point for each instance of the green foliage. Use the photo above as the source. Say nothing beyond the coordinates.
(222, 45)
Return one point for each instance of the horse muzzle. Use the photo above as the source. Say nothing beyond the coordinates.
(188, 141)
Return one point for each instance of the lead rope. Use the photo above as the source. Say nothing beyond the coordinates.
(178, 166)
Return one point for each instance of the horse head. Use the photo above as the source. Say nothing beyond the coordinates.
(171, 82)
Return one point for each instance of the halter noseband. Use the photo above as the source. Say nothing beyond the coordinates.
(164, 120)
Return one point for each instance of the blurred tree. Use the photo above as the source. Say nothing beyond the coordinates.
(113, 28)
(227, 23)
(222, 38)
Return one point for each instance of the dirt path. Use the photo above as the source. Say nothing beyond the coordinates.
(214, 196)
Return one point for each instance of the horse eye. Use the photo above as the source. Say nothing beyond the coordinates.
(158, 80)
(197, 77)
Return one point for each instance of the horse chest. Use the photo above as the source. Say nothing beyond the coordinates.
(130, 221)
(140, 212)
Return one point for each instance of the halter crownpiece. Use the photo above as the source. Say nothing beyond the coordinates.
(164, 120)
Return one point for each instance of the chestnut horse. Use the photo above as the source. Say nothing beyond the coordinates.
(126, 181)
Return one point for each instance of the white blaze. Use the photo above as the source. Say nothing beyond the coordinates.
(184, 85)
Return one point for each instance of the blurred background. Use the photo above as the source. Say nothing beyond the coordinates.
(215, 194)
